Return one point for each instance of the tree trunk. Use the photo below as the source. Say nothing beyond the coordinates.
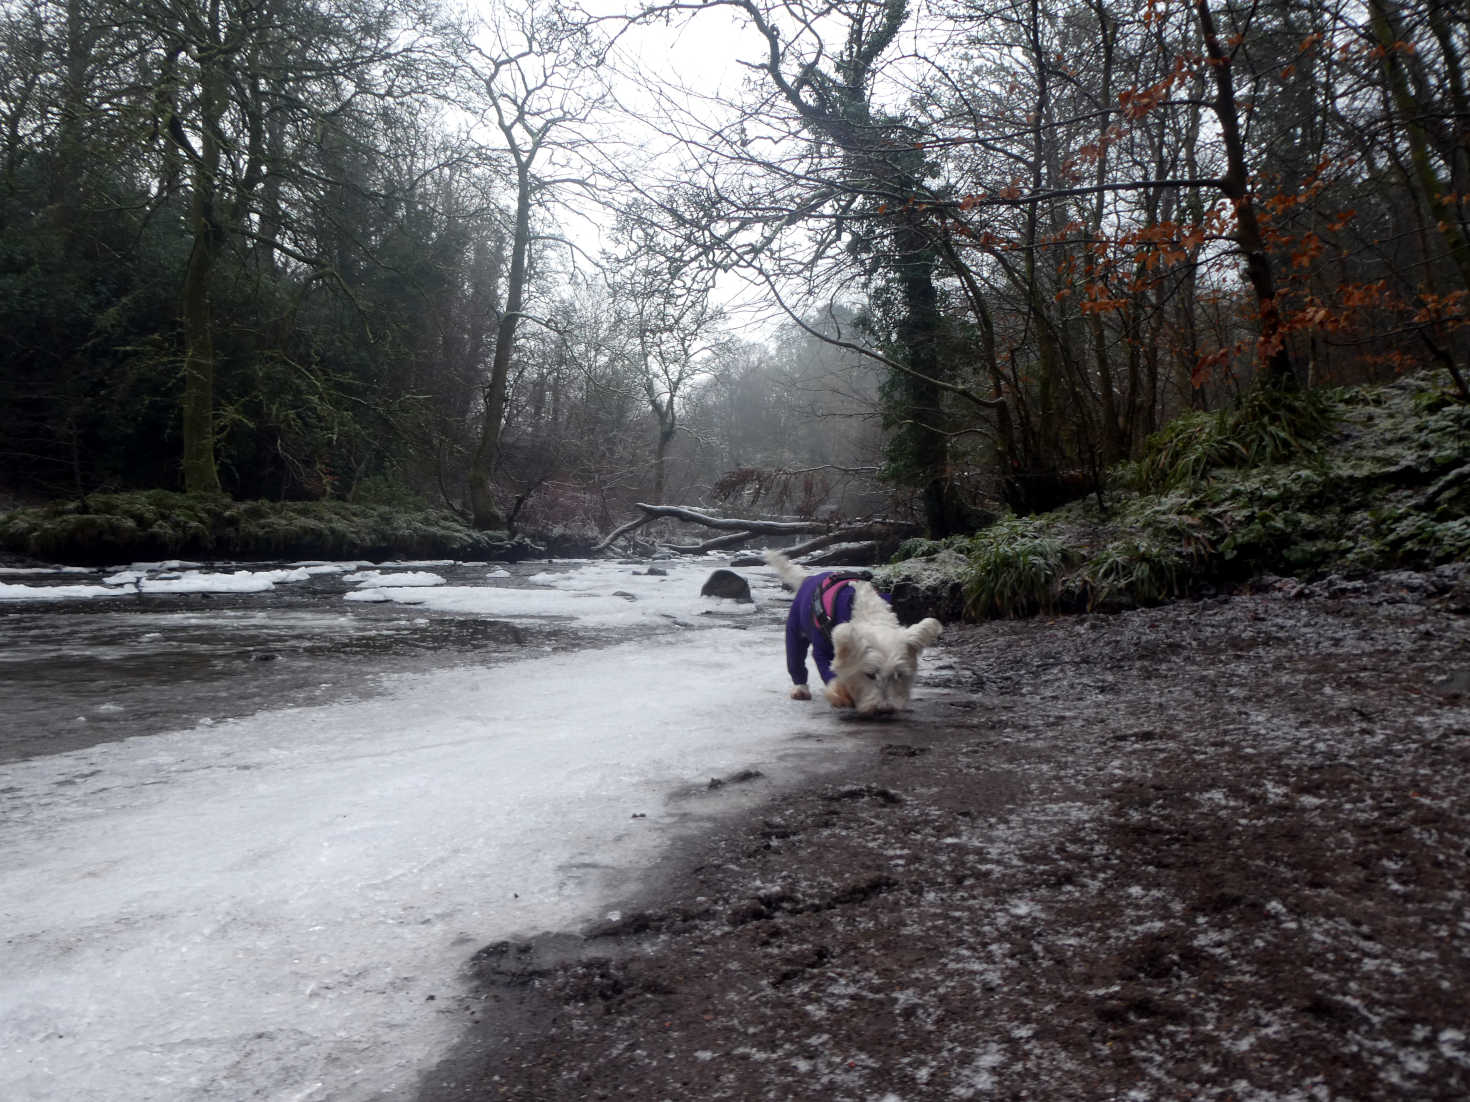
(1112, 430)
(201, 475)
(921, 405)
(667, 426)
(485, 514)
(1275, 358)
(1006, 446)
(67, 174)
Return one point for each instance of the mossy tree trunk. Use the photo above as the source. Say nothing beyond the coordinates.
(485, 513)
(884, 167)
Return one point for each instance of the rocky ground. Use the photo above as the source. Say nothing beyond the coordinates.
(1217, 849)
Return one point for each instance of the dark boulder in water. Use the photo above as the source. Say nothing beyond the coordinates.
(728, 585)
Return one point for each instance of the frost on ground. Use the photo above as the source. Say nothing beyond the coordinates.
(1211, 850)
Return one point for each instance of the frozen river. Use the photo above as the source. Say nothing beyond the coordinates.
(93, 656)
(254, 821)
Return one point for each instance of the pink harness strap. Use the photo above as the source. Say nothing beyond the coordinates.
(829, 598)
(824, 600)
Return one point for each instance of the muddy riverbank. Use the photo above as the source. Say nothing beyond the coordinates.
(1215, 849)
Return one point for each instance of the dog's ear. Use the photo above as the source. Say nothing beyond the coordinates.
(924, 633)
(844, 645)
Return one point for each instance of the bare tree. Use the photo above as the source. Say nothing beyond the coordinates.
(674, 329)
(534, 79)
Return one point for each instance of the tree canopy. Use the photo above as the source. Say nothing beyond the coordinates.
(901, 258)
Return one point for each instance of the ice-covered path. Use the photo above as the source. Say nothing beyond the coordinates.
(280, 907)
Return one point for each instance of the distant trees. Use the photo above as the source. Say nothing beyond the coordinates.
(317, 248)
(676, 336)
(231, 162)
(793, 425)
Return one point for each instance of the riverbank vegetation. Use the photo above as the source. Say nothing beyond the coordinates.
(1369, 479)
(1360, 479)
(105, 529)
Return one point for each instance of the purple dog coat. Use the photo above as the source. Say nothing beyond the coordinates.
(804, 629)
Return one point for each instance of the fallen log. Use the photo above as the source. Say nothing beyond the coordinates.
(745, 528)
(761, 527)
(739, 530)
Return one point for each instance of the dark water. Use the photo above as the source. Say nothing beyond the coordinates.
(75, 673)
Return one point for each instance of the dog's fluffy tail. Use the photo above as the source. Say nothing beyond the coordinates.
(790, 573)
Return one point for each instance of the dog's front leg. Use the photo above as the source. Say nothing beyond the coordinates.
(837, 695)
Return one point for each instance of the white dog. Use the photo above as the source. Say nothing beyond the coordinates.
(866, 659)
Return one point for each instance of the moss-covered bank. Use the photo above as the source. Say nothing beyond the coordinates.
(1341, 482)
(157, 524)
(1345, 482)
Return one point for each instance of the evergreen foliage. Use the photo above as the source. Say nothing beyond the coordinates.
(1015, 569)
(1267, 426)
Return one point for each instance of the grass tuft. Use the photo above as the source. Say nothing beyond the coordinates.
(1134, 570)
(1268, 426)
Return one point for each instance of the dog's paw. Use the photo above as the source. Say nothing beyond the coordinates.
(837, 695)
(800, 692)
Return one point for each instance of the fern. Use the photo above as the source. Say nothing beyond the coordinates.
(1137, 570)
(1014, 570)
(1186, 450)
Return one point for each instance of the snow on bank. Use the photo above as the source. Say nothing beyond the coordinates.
(162, 577)
(595, 594)
(278, 907)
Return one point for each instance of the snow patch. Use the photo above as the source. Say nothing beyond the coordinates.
(391, 578)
